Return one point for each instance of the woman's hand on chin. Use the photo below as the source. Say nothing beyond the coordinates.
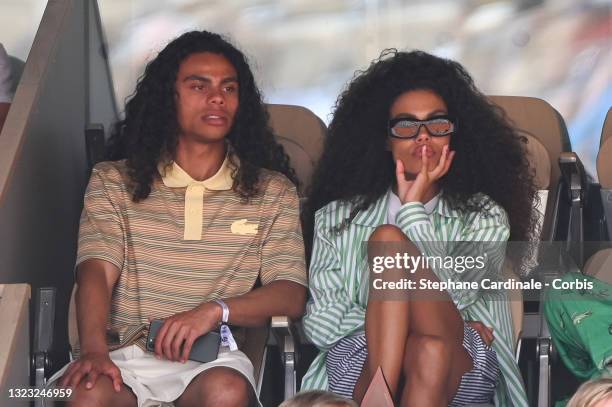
(415, 190)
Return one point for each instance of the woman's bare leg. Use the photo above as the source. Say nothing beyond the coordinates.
(419, 339)
(386, 336)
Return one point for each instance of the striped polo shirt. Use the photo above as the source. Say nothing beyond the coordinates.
(175, 252)
(339, 275)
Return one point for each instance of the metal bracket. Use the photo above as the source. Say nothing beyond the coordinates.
(544, 349)
(286, 338)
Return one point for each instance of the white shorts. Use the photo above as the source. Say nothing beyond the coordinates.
(158, 382)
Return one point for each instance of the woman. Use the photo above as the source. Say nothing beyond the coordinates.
(416, 156)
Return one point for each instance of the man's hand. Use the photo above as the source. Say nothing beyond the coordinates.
(177, 334)
(89, 366)
(485, 332)
(414, 191)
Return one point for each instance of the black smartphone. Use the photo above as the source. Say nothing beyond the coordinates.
(204, 349)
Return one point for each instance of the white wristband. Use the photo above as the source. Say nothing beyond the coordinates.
(227, 339)
(225, 308)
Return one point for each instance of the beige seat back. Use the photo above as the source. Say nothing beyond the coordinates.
(538, 156)
(604, 171)
(604, 157)
(606, 131)
(543, 128)
(540, 120)
(302, 134)
(600, 264)
(516, 304)
(604, 164)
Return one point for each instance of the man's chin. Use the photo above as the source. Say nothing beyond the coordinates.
(208, 137)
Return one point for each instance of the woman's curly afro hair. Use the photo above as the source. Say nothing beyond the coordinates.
(149, 133)
(356, 165)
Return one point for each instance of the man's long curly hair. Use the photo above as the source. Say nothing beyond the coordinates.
(149, 133)
(356, 165)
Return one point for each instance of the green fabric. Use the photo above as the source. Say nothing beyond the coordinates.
(580, 323)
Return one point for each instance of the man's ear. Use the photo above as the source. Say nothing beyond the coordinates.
(387, 144)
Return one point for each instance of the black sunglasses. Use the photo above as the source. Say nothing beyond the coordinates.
(405, 128)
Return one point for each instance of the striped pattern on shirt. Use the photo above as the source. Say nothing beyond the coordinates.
(339, 278)
(161, 272)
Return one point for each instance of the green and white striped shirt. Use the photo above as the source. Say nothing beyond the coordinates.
(339, 278)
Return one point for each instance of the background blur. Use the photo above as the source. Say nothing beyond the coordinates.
(304, 51)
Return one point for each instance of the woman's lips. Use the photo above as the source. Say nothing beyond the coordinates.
(417, 153)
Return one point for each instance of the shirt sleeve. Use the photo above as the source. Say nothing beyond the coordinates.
(331, 314)
(282, 255)
(483, 236)
(102, 232)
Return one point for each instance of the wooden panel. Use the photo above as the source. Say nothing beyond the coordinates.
(14, 340)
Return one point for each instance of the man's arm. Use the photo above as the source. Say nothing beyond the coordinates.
(254, 308)
(96, 279)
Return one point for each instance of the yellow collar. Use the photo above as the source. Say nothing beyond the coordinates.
(174, 176)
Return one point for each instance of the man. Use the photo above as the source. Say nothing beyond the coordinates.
(193, 209)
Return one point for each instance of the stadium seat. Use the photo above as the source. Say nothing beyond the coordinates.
(599, 264)
(547, 141)
(604, 170)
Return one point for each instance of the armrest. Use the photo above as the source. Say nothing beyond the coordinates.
(544, 350)
(286, 335)
(573, 172)
(536, 327)
(282, 327)
(44, 322)
(574, 176)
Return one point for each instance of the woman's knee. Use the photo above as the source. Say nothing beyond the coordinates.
(389, 240)
(388, 233)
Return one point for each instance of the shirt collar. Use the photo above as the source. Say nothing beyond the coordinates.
(432, 204)
(173, 176)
